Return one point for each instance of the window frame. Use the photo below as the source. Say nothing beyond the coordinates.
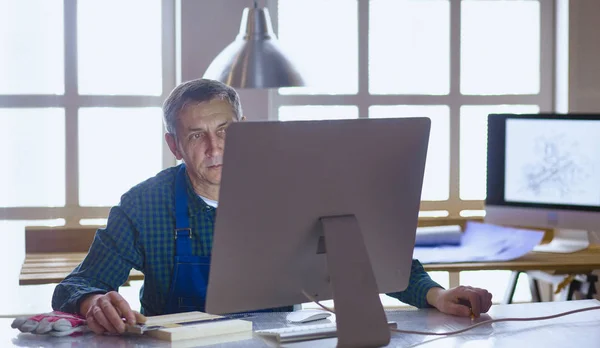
(454, 100)
(71, 101)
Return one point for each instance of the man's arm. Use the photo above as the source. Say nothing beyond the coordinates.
(419, 285)
(111, 257)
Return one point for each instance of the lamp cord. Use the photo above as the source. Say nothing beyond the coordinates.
(448, 333)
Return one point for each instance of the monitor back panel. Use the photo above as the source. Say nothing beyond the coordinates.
(279, 177)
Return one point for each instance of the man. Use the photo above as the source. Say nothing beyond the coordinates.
(148, 229)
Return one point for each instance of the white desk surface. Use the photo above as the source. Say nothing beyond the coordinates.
(576, 330)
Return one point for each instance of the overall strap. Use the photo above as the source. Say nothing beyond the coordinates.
(183, 232)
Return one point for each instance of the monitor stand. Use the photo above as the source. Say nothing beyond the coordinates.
(360, 318)
(565, 241)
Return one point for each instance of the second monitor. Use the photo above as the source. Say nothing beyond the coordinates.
(543, 170)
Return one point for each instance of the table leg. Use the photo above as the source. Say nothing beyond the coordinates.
(574, 286)
(512, 286)
(535, 290)
(453, 279)
(592, 280)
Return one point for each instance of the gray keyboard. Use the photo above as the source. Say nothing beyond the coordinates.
(303, 332)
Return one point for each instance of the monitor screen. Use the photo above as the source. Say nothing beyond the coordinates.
(552, 161)
(543, 170)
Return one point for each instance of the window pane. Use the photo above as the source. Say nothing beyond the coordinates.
(317, 112)
(322, 37)
(436, 183)
(433, 213)
(441, 278)
(32, 153)
(500, 48)
(472, 213)
(93, 222)
(119, 47)
(118, 148)
(473, 145)
(409, 47)
(32, 41)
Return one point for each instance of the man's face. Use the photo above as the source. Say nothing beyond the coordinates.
(201, 139)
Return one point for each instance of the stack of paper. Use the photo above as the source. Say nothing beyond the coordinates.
(438, 235)
(194, 326)
(483, 242)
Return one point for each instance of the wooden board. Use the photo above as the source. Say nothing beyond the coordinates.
(174, 319)
(54, 257)
(196, 326)
(579, 262)
(220, 331)
(59, 239)
(50, 276)
(45, 265)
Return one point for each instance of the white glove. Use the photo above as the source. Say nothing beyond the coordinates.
(54, 323)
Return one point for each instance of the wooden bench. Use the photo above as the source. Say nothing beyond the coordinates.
(51, 253)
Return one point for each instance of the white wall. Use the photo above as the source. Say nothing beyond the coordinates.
(584, 56)
(584, 64)
(584, 60)
(206, 28)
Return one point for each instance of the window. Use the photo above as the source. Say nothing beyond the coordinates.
(80, 98)
(317, 112)
(32, 143)
(497, 58)
(409, 47)
(116, 57)
(454, 61)
(314, 44)
(436, 181)
(32, 41)
(108, 171)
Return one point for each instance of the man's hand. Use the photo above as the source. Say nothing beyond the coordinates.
(105, 313)
(457, 301)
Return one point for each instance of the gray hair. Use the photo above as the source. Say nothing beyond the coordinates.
(197, 91)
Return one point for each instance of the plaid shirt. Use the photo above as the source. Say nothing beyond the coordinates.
(139, 234)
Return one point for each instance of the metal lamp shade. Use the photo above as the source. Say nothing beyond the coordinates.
(254, 59)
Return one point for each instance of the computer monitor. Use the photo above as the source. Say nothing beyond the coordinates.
(543, 170)
(326, 207)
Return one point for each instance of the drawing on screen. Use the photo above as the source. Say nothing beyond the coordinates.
(558, 169)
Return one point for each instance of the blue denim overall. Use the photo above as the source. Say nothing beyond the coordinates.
(190, 273)
(189, 279)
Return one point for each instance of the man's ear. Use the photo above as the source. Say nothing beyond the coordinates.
(172, 142)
